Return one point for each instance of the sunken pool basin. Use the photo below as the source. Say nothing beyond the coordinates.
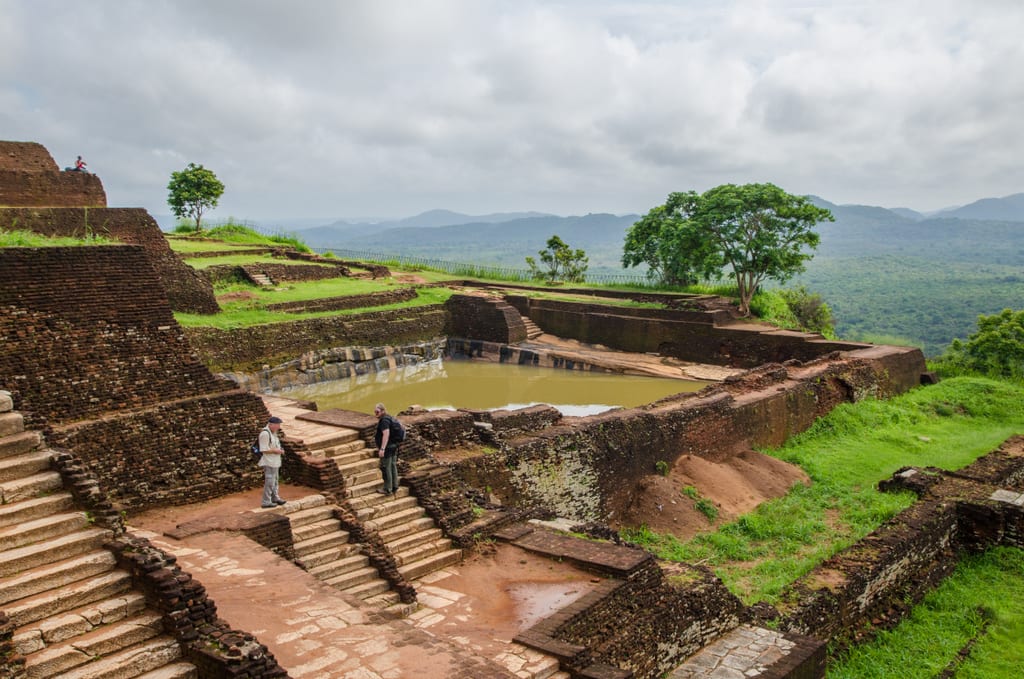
(484, 385)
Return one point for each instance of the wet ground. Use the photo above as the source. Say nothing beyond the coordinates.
(464, 625)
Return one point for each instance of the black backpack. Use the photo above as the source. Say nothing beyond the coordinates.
(397, 434)
(255, 447)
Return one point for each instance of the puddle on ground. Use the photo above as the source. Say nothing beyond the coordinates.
(534, 601)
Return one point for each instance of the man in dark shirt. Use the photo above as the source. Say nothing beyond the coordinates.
(387, 450)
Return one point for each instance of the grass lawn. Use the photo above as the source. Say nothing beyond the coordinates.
(846, 453)
(240, 259)
(185, 246)
(983, 601)
(242, 315)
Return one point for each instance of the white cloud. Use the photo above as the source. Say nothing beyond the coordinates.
(392, 107)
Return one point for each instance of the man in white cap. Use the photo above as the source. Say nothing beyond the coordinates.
(270, 446)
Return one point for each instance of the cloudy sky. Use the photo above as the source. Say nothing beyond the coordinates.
(389, 108)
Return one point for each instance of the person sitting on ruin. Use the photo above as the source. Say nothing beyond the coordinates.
(80, 166)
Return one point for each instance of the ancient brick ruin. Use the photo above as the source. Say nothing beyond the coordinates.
(94, 358)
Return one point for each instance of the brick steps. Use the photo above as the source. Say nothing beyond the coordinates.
(374, 499)
(316, 529)
(398, 518)
(42, 528)
(388, 505)
(28, 510)
(355, 577)
(330, 554)
(56, 574)
(178, 670)
(130, 663)
(14, 561)
(434, 562)
(74, 613)
(336, 567)
(29, 487)
(321, 543)
(68, 598)
(84, 648)
(16, 466)
(421, 551)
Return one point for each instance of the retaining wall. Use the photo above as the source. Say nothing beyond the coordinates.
(876, 581)
(186, 289)
(114, 379)
(587, 468)
(687, 335)
(276, 343)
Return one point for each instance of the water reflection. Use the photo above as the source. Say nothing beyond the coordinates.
(480, 385)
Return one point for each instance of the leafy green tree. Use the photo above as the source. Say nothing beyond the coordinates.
(193, 191)
(561, 262)
(757, 230)
(997, 348)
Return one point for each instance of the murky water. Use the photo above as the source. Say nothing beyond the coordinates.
(487, 386)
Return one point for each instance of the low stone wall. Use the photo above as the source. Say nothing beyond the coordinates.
(640, 622)
(287, 273)
(351, 302)
(687, 335)
(276, 343)
(876, 581)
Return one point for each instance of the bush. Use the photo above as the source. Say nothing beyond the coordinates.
(995, 350)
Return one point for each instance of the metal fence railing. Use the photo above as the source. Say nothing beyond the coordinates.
(463, 269)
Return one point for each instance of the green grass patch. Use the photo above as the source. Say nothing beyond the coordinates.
(241, 234)
(28, 239)
(242, 315)
(242, 259)
(982, 600)
(846, 453)
(187, 246)
(302, 290)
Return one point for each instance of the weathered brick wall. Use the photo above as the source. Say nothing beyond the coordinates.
(88, 331)
(29, 177)
(175, 453)
(901, 561)
(687, 335)
(588, 469)
(651, 625)
(489, 319)
(186, 289)
(876, 581)
(336, 363)
(276, 343)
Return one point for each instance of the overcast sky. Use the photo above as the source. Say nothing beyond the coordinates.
(381, 108)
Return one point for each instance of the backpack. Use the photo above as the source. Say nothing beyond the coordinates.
(255, 448)
(397, 434)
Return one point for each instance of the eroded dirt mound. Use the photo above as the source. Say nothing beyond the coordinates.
(734, 487)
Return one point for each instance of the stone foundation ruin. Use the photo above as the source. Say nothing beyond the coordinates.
(114, 381)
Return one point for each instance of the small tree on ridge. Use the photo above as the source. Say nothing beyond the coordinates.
(192, 192)
(563, 263)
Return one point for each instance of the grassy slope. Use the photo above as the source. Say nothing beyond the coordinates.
(846, 453)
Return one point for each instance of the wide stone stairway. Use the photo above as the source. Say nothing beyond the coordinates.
(74, 611)
(411, 537)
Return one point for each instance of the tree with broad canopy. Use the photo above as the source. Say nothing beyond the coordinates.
(758, 230)
(193, 191)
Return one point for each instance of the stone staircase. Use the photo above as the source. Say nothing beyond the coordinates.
(411, 536)
(323, 547)
(75, 613)
(533, 331)
(261, 279)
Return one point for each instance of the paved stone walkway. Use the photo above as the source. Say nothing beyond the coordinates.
(463, 627)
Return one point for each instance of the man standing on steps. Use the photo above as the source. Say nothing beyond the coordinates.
(270, 446)
(387, 450)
